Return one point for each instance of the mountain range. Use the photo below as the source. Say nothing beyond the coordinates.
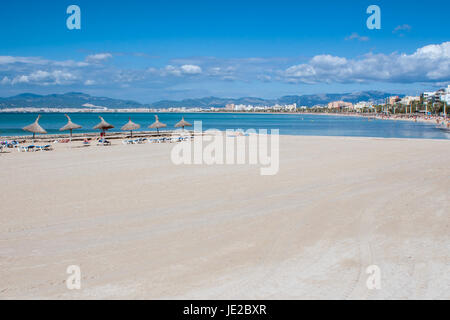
(80, 100)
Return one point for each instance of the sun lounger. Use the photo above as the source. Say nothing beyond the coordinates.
(155, 140)
(135, 141)
(141, 140)
(43, 148)
(25, 149)
(103, 142)
(11, 144)
(181, 139)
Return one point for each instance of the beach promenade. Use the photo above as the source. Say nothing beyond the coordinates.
(140, 227)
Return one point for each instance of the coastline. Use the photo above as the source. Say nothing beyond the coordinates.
(80, 134)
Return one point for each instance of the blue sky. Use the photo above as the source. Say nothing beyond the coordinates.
(152, 50)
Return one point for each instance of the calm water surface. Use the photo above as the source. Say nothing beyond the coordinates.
(288, 124)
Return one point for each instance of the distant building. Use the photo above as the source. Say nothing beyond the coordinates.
(229, 107)
(433, 96)
(363, 105)
(446, 96)
(393, 100)
(340, 105)
(408, 100)
(240, 107)
(277, 107)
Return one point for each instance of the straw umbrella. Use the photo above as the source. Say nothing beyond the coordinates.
(103, 125)
(157, 125)
(183, 124)
(131, 126)
(70, 126)
(35, 128)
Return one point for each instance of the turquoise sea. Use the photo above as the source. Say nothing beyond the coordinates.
(288, 124)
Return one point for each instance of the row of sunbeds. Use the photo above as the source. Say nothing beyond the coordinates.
(33, 148)
(157, 140)
(5, 145)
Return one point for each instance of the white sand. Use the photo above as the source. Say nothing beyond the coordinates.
(141, 228)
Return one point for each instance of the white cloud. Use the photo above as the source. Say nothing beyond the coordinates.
(356, 36)
(171, 70)
(98, 57)
(33, 61)
(71, 63)
(6, 81)
(187, 69)
(26, 60)
(427, 64)
(41, 77)
(404, 27)
(20, 79)
(191, 69)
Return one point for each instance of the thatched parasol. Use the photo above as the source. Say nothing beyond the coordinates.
(103, 125)
(70, 126)
(183, 124)
(131, 126)
(35, 128)
(157, 125)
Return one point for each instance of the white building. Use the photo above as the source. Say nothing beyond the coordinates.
(446, 97)
(340, 105)
(434, 96)
(362, 105)
(409, 99)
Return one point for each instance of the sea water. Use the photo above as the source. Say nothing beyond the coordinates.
(11, 124)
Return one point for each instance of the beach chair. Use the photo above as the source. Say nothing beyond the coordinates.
(103, 142)
(11, 144)
(25, 149)
(86, 142)
(181, 139)
(43, 148)
(141, 140)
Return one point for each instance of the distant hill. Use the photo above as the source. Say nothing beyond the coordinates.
(304, 100)
(210, 102)
(67, 100)
(78, 100)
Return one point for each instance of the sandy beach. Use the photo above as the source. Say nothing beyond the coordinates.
(141, 227)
